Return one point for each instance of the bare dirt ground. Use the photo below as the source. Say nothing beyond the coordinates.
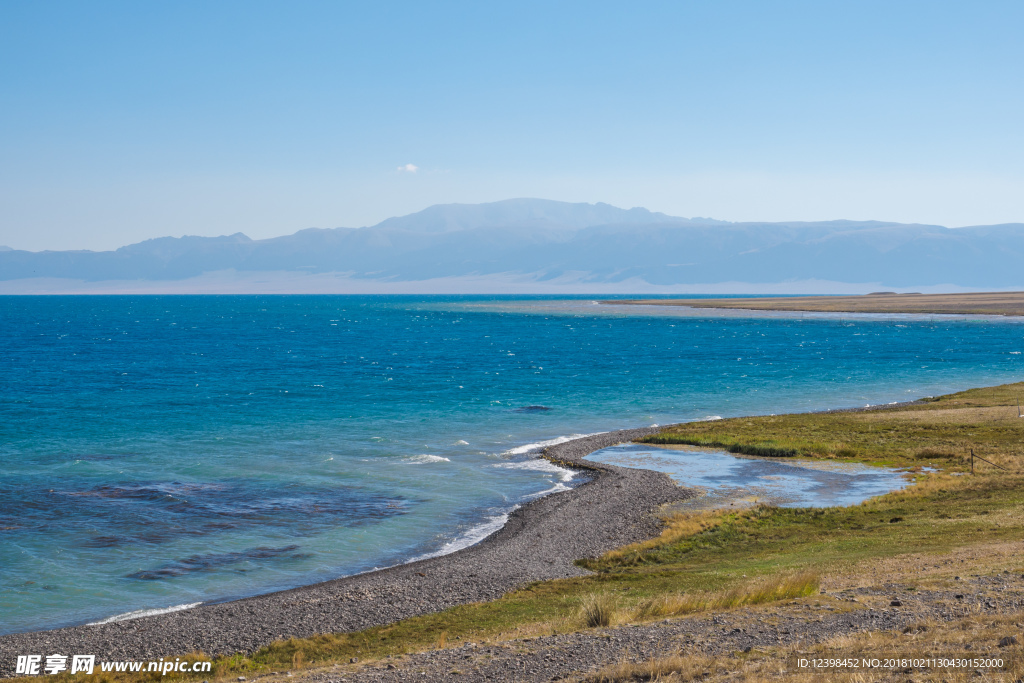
(978, 303)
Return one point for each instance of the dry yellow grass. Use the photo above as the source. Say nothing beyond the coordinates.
(945, 416)
(929, 569)
(759, 591)
(949, 522)
(677, 526)
(599, 610)
(677, 668)
(976, 635)
(976, 632)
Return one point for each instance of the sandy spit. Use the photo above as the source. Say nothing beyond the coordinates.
(541, 540)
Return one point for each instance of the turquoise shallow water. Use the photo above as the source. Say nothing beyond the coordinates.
(157, 451)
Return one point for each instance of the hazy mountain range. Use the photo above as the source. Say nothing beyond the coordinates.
(533, 245)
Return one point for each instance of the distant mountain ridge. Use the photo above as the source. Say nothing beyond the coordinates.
(525, 213)
(544, 241)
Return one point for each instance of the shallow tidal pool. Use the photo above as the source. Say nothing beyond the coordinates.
(731, 479)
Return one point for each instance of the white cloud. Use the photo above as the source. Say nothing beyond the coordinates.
(409, 168)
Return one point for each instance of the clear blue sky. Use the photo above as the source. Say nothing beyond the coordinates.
(121, 121)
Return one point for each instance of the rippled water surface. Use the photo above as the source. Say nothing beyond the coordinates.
(157, 451)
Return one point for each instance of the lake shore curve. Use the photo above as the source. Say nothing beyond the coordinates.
(540, 540)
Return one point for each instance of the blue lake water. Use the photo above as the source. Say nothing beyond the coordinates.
(163, 450)
(725, 479)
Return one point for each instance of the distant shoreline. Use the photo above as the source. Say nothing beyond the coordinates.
(974, 303)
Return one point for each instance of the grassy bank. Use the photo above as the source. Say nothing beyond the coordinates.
(935, 431)
(721, 560)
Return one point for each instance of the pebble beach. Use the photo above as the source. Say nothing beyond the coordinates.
(541, 540)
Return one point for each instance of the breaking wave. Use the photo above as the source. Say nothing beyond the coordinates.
(424, 458)
(140, 613)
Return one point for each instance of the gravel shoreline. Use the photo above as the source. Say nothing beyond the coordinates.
(541, 540)
(764, 628)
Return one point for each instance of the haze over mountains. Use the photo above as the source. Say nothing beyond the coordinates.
(533, 245)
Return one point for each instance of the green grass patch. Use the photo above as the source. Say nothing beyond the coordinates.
(770, 449)
(694, 573)
(717, 560)
(942, 515)
(940, 430)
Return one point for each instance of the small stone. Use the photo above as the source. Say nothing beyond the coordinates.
(241, 678)
(392, 666)
(1007, 641)
(353, 660)
(895, 603)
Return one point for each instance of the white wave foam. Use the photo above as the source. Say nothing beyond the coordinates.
(424, 458)
(530, 447)
(473, 536)
(539, 465)
(710, 418)
(460, 442)
(138, 614)
(559, 486)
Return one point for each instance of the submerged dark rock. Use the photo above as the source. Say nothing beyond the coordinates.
(541, 540)
(211, 561)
